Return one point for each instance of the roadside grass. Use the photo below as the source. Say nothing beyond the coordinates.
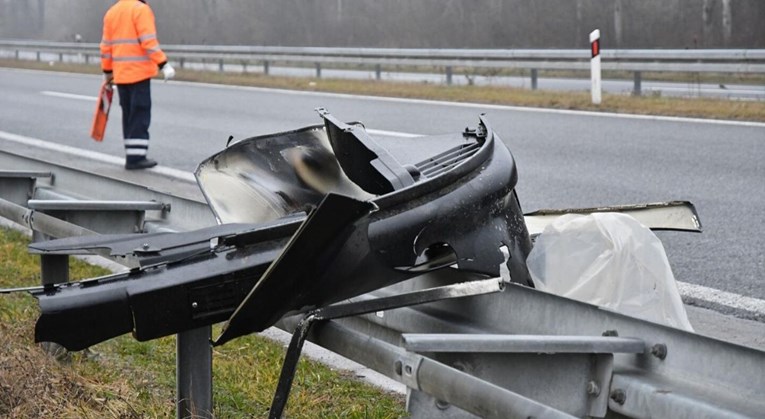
(124, 378)
(649, 104)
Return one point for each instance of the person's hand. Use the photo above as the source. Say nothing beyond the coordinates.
(109, 78)
(168, 71)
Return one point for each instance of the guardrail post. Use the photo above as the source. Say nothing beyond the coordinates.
(534, 79)
(318, 70)
(637, 89)
(87, 58)
(378, 71)
(194, 373)
(17, 55)
(54, 269)
(266, 65)
(61, 57)
(449, 74)
(182, 62)
(38, 55)
(244, 66)
(220, 65)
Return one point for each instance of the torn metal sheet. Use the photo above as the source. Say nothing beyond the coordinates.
(321, 263)
(672, 215)
(144, 250)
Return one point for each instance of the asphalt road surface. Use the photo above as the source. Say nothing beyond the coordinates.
(565, 158)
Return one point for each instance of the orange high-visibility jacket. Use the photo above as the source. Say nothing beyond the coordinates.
(129, 47)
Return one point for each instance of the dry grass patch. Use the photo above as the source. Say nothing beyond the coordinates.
(124, 378)
(34, 384)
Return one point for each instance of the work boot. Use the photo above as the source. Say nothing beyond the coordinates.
(144, 163)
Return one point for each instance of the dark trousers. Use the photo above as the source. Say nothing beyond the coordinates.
(135, 101)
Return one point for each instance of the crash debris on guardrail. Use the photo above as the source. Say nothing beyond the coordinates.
(312, 220)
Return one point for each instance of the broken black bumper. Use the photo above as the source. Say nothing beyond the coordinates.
(308, 218)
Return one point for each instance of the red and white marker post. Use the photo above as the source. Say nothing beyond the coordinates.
(595, 65)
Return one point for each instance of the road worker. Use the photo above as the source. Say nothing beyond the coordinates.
(130, 57)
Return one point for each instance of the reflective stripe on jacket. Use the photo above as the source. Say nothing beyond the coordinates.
(129, 47)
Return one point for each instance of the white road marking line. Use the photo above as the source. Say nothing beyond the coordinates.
(93, 155)
(69, 95)
(699, 292)
(724, 298)
(393, 133)
(34, 142)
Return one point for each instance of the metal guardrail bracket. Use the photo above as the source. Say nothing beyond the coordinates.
(546, 344)
(19, 186)
(588, 361)
(407, 368)
(105, 217)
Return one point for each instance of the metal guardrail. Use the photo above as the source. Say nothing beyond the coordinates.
(738, 61)
(528, 353)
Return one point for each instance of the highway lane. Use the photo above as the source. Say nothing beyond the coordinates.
(565, 159)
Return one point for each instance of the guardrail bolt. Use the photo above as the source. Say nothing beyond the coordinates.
(619, 396)
(610, 333)
(398, 367)
(659, 350)
(442, 405)
(593, 389)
